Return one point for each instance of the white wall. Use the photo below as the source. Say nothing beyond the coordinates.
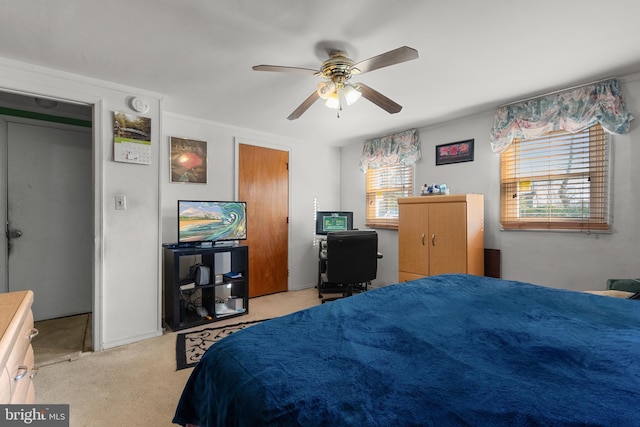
(313, 172)
(570, 260)
(126, 297)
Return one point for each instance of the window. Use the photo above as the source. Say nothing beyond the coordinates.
(556, 181)
(384, 185)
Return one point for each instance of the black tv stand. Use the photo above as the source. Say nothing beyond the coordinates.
(187, 303)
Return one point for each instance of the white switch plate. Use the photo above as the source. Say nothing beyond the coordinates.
(121, 202)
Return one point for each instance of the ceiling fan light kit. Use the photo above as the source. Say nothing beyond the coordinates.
(325, 89)
(333, 101)
(337, 70)
(351, 94)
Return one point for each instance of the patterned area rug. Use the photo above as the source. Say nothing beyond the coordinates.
(190, 346)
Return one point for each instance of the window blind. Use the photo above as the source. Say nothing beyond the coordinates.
(556, 181)
(384, 185)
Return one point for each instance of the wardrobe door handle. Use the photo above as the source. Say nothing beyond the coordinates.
(422, 239)
(34, 372)
(34, 333)
(433, 240)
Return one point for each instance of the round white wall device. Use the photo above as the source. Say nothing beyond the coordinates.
(139, 105)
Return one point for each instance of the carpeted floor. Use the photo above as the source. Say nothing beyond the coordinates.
(138, 383)
(190, 346)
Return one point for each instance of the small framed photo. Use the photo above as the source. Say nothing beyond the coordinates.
(455, 152)
(188, 160)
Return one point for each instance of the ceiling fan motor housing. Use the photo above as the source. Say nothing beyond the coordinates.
(338, 68)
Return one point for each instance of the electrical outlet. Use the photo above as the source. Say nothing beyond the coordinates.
(121, 202)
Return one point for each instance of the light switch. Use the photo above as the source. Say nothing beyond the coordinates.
(121, 202)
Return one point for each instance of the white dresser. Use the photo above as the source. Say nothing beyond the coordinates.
(16, 352)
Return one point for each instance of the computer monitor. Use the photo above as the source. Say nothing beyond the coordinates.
(327, 221)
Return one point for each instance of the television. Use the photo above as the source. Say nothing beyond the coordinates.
(327, 221)
(211, 221)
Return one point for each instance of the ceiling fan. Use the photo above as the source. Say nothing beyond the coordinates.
(336, 72)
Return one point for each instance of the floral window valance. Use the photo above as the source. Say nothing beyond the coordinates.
(402, 148)
(572, 110)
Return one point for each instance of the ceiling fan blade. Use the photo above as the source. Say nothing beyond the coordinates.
(304, 106)
(396, 56)
(379, 99)
(282, 69)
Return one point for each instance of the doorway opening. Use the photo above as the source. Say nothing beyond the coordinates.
(46, 188)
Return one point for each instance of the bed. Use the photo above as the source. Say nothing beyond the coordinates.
(446, 350)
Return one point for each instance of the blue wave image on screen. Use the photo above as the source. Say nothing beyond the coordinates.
(211, 221)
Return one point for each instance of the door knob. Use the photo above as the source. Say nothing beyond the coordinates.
(14, 234)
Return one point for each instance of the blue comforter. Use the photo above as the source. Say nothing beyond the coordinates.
(450, 350)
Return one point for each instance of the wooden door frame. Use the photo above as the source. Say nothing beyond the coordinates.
(237, 142)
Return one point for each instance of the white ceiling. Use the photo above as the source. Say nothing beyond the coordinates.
(474, 54)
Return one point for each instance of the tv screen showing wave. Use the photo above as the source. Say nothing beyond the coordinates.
(211, 221)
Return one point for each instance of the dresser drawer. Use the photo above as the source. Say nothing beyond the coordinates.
(31, 394)
(18, 355)
(5, 386)
(24, 382)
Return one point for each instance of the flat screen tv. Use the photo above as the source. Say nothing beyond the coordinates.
(327, 221)
(211, 221)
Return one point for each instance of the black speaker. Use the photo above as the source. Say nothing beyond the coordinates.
(200, 274)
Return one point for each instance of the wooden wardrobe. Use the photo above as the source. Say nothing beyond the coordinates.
(440, 234)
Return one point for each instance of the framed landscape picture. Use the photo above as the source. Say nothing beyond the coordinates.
(188, 160)
(454, 152)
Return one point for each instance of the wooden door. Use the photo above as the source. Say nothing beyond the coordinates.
(413, 251)
(263, 182)
(447, 238)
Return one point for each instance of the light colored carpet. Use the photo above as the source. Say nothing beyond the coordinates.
(138, 384)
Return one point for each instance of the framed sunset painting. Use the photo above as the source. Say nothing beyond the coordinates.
(188, 160)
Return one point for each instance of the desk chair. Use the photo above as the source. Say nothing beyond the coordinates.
(350, 262)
